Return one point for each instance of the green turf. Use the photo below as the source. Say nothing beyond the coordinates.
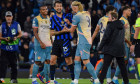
(64, 81)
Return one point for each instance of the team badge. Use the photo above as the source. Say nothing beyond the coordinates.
(46, 21)
(39, 57)
(13, 31)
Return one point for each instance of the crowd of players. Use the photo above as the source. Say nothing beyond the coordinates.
(60, 24)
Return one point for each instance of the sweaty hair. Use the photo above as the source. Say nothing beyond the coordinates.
(109, 8)
(125, 8)
(80, 6)
(114, 15)
(59, 2)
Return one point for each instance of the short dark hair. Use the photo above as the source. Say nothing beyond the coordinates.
(109, 8)
(114, 15)
(125, 8)
(57, 2)
(42, 6)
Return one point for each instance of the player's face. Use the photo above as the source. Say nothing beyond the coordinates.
(8, 18)
(109, 17)
(58, 7)
(74, 9)
(44, 10)
(67, 21)
(128, 12)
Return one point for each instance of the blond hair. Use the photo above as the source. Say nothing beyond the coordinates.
(80, 6)
(114, 15)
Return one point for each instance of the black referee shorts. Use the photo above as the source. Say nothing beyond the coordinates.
(137, 49)
(61, 47)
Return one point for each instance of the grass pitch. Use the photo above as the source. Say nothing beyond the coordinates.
(64, 81)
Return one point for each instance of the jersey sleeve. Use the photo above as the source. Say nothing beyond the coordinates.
(19, 27)
(35, 23)
(52, 24)
(75, 20)
(99, 22)
(137, 24)
(123, 21)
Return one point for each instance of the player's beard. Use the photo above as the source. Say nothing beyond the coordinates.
(58, 12)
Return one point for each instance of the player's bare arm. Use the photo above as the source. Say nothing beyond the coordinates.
(53, 32)
(95, 32)
(136, 32)
(129, 43)
(37, 37)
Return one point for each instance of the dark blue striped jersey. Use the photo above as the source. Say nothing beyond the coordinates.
(58, 24)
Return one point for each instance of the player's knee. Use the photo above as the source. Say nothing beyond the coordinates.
(77, 58)
(68, 60)
(38, 63)
(86, 61)
(52, 62)
(47, 61)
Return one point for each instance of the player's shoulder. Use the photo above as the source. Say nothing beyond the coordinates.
(123, 19)
(69, 15)
(102, 18)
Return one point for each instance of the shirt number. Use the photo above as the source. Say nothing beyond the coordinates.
(88, 20)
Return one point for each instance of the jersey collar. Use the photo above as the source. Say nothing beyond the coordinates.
(42, 16)
(124, 17)
(106, 16)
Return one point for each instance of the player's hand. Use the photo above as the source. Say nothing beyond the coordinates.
(132, 48)
(65, 29)
(43, 46)
(7, 39)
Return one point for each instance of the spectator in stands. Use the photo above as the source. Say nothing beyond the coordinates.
(94, 21)
(106, 4)
(2, 11)
(117, 5)
(25, 40)
(28, 25)
(99, 13)
(136, 3)
(133, 15)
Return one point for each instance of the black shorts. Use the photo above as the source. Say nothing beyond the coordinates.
(61, 47)
(137, 50)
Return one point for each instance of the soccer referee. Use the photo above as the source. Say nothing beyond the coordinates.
(136, 42)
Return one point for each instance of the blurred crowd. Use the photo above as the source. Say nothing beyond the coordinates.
(25, 10)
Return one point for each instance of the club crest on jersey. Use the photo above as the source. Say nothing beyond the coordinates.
(13, 31)
(46, 21)
(62, 22)
(39, 57)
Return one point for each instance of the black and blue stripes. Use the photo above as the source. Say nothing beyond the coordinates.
(58, 24)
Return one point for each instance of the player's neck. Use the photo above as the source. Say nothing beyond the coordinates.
(44, 16)
(124, 15)
(59, 14)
